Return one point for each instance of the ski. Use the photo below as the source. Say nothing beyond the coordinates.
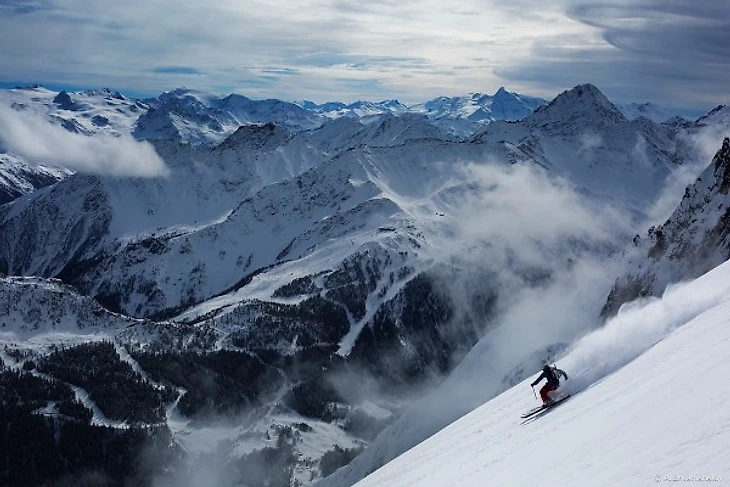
(529, 414)
(533, 411)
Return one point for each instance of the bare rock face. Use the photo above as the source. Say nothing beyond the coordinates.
(692, 241)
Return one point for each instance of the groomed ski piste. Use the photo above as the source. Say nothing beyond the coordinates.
(650, 405)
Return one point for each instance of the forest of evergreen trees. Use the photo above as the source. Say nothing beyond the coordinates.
(47, 439)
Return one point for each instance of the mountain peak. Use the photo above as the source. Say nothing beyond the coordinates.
(502, 92)
(719, 114)
(503, 96)
(581, 105)
(587, 94)
(234, 98)
(392, 104)
(257, 137)
(64, 101)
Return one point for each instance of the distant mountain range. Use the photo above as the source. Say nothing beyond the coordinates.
(206, 119)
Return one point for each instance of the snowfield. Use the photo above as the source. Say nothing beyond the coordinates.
(650, 406)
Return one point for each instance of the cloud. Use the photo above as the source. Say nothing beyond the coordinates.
(547, 251)
(176, 70)
(402, 49)
(33, 138)
(700, 146)
(638, 327)
(520, 215)
(20, 6)
(674, 53)
(589, 142)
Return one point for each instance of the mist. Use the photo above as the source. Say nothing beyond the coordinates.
(550, 252)
(637, 327)
(530, 214)
(39, 142)
(702, 144)
(548, 249)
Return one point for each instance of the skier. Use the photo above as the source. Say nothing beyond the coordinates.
(552, 374)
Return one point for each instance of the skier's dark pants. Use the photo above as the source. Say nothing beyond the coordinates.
(545, 390)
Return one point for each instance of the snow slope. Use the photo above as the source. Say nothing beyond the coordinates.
(17, 177)
(720, 115)
(649, 110)
(503, 105)
(88, 112)
(358, 109)
(650, 405)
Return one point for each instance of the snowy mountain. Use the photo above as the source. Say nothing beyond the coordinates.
(358, 109)
(649, 110)
(582, 136)
(18, 178)
(43, 313)
(370, 251)
(205, 119)
(246, 206)
(66, 360)
(693, 240)
(89, 112)
(720, 115)
(689, 244)
(201, 118)
(569, 110)
(464, 115)
(479, 107)
(621, 379)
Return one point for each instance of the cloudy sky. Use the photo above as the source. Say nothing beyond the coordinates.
(672, 52)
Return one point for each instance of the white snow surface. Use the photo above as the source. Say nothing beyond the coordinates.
(719, 115)
(17, 177)
(649, 110)
(503, 105)
(649, 405)
(88, 112)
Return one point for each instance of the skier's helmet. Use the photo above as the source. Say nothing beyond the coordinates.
(546, 368)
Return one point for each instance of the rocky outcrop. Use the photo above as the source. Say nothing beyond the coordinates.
(695, 238)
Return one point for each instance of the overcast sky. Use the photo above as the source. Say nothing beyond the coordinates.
(672, 52)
